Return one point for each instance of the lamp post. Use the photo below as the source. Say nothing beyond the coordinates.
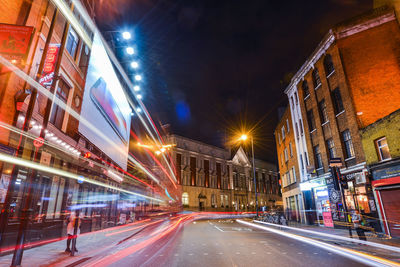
(244, 137)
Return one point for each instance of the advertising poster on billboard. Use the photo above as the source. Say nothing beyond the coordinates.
(105, 106)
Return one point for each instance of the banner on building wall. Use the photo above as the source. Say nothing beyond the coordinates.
(49, 65)
(105, 105)
(14, 40)
(327, 216)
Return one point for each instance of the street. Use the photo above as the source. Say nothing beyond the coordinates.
(228, 243)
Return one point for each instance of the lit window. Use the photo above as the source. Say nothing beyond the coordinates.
(185, 199)
(383, 149)
(348, 144)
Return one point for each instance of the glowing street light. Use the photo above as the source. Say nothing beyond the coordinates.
(130, 50)
(136, 88)
(243, 138)
(134, 64)
(139, 96)
(138, 77)
(139, 110)
(126, 35)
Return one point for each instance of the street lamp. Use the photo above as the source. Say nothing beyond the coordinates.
(126, 35)
(244, 137)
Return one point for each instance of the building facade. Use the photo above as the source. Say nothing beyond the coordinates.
(292, 196)
(210, 179)
(337, 92)
(381, 143)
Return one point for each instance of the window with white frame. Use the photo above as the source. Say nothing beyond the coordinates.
(287, 126)
(348, 144)
(283, 133)
(290, 150)
(382, 149)
(286, 155)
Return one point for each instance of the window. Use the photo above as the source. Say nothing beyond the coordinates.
(84, 58)
(337, 101)
(279, 138)
(185, 199)
(322, 111)
(306, 90)
(348, 144)
(311, 120)
(72, 42)
(301, 162)
(291, 150)
(57, 113)
(294, 175)
(331, 148)
(296, 98)
(316, 78)
(383, 149)
(283, 132)
(297, 130)
(287, 126)
(282, 159)
(328, 65)
(301, 126)
(286, 155)
(318, 157)
(306, 159)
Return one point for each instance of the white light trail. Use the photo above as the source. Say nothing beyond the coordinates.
(36, 166)
(348, 253)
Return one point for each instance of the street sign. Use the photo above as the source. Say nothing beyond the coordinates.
(335, 162)
(38, 142)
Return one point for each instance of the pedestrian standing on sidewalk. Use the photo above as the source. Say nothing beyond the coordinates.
(359, 222)
(72, 220)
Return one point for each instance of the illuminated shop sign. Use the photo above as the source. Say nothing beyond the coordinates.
(14, 40)
(49, 65)
(386, 173)
(306, 186)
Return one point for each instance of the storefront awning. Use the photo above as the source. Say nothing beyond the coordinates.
(386, 182)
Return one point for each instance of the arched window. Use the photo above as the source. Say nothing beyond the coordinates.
(328, 64)
(316, 78)
(306, 91)
(185, 199)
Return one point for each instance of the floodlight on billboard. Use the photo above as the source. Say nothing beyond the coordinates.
(105, 104)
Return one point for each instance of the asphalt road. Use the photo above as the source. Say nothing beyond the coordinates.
(228, 243)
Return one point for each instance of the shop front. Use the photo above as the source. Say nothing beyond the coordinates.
(386, 188)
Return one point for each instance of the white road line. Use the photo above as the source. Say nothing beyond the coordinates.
(205, 254)
(352, 254)
(219, 228)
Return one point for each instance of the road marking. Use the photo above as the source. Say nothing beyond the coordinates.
(220, 253)
(315, 253)
(284, 253)
(176, 255)
(160, 255)
(299, 253)
(238, 253)
(205, 254)
(253, 253)
(219, 228)
(203, 244)
(146, 255)
(190, 254)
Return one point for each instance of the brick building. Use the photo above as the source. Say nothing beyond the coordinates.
(381, 143)
(210, 179)
(336, 92)
(72, 42)
(289, 168)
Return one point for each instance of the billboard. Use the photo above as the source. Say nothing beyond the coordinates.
(14, 40)
(105, 107)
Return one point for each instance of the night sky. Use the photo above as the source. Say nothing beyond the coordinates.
(213, 66)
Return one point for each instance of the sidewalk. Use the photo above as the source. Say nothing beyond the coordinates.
(88, 244)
